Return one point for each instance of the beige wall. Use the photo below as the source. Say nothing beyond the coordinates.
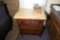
(13, 6)
(51, 2)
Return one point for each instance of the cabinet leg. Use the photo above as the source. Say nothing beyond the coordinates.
(20, 30)
(21, 33)
(42, 31)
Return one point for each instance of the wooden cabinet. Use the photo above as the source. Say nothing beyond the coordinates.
(31, 27)
(53, 27)
(54, 31)
(30, 21)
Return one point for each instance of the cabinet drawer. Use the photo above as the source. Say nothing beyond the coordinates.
(31, 27)
(31, 32)
(32, 21)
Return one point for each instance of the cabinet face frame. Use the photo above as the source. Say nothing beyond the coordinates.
(33, 30)
(53, 27)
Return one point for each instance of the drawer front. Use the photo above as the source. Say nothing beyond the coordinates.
(32, 21)
(31, 27)
(31, 32)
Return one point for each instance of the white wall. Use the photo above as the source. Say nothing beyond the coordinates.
(30, 3)
(21, 4)
(51, 2)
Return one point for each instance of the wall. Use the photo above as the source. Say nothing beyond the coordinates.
(13, 6)
(51, 2)
(30, 3)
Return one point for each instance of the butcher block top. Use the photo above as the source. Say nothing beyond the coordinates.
(30, 14)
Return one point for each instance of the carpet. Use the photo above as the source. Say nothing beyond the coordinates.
(45, 36)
